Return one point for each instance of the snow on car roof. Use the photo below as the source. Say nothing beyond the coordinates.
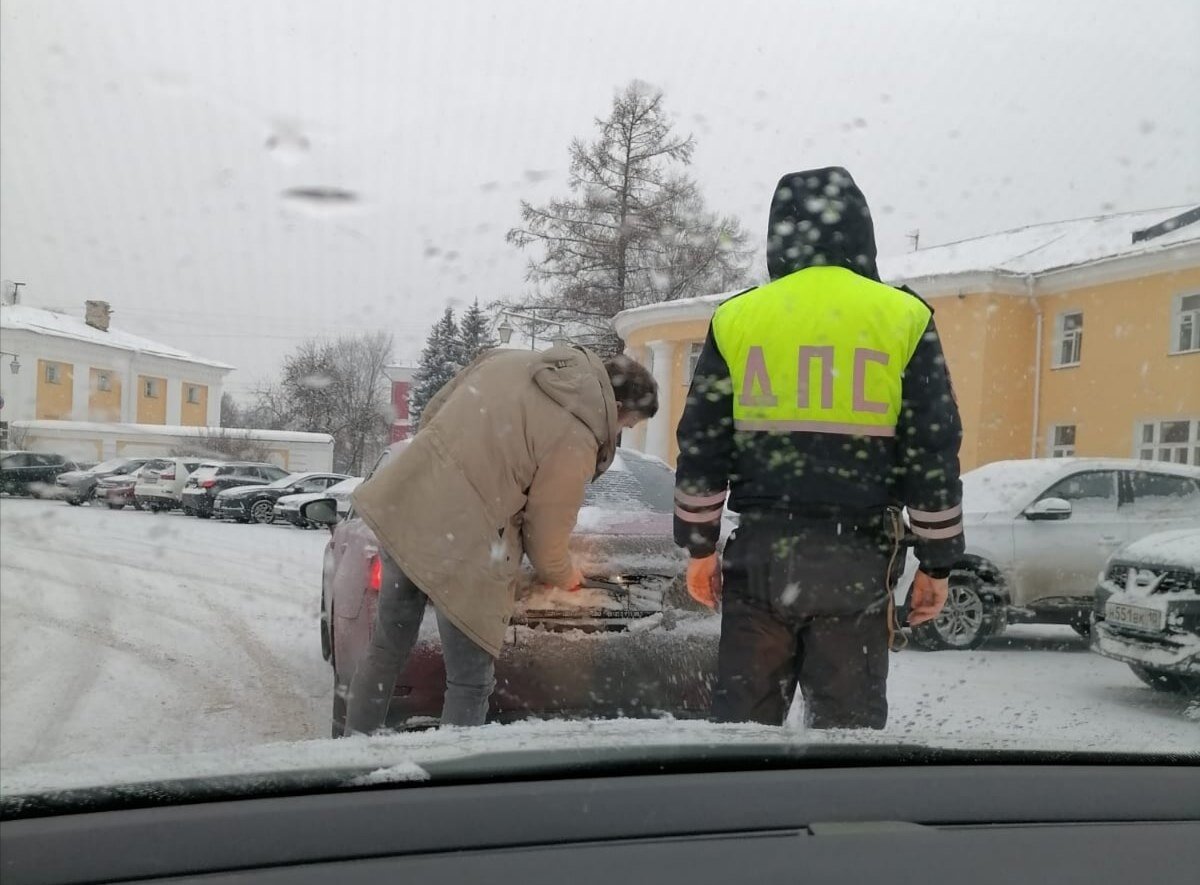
(1179, 547)
(1003, 485)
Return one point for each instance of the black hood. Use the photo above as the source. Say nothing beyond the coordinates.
(819, 216)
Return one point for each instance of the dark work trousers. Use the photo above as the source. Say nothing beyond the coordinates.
(805, 603)
(470, 670)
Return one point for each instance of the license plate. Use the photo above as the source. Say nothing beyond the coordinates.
(1121, 615)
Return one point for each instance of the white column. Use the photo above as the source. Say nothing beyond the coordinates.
(174, 395)
(130, 391)
(81, 389)
(658, 430)
(215, 391)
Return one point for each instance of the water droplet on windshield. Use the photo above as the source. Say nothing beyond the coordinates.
(321, 201)
(288, 144)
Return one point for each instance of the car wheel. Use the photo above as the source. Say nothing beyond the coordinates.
(137, 505)
(115, 505)
(1160, 680)
(262, 512)
(202, 514)
(968, 619)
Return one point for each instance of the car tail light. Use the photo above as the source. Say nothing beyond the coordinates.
(375, 573)
(207, 483)
(170, 475)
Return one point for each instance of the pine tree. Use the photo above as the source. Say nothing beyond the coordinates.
(441, 360)
(634, 229)
(475, 333)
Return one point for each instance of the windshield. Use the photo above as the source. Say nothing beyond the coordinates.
(751, 371)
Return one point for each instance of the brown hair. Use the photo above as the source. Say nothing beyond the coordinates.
(634, 387)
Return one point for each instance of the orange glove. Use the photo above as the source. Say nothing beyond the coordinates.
(704, 580)
(928, 595)
(576, 580)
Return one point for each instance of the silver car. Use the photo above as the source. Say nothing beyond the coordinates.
(1039, 531)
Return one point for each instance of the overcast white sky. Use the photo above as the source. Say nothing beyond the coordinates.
(136, 158)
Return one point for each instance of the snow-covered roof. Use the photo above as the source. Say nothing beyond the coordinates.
(1025, 251)
(1040, 248)
(28, 318)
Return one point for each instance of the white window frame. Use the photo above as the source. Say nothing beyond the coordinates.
(103, 381)
(1060, 339)
(1062, 450)
(150, 388)
(693, 358)
(192, 388)
(53, 375)
(1150, 443)
(1178, 317)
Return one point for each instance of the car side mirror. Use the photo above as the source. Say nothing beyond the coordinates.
(1049, 508)
(322, 511)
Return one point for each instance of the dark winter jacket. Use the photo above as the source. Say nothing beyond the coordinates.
(867, 420)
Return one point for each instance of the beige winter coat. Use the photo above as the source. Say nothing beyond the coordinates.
(498, 469)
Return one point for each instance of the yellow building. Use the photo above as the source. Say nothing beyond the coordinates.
(80, 369)
(1070, 338)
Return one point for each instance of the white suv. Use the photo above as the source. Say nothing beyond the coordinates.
(1039, 532)
(160, 484)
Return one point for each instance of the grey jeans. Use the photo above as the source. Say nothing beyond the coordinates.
(470, 671)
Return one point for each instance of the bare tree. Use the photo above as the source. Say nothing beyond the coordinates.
(634, 229)
(337, 387)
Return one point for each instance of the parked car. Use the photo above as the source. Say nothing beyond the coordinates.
(256, 503)
(116, 491)
(79, 486)
(1038, 531)
(30, 473)
(1147, 610)
(631, 642)
(160, 483)
(213, 477)
(288, 507)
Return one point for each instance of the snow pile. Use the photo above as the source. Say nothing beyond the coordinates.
(392, 774)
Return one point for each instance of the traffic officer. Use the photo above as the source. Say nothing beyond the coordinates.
(820, 404)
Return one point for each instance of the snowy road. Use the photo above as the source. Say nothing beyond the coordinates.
(129, 633)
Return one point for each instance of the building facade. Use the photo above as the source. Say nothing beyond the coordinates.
(401, 378)
(1072, 338)
(81, 369)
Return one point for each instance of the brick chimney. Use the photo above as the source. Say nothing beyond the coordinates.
(96, 314)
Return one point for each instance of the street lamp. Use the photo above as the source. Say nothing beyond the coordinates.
(505, 330)
(15, 364)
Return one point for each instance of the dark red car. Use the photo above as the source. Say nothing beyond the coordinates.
(630, 643)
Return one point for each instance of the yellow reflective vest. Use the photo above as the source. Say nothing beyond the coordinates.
(822, 350)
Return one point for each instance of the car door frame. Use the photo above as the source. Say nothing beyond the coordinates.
(1024, 587)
